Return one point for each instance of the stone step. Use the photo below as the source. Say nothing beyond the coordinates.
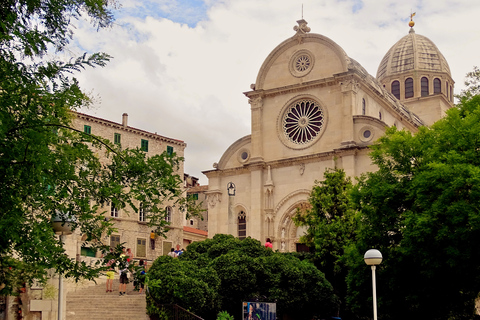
(93, 303)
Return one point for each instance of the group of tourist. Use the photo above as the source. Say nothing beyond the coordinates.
(125, 265)
(175, 253)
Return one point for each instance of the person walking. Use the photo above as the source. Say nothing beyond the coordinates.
(123, 270)
(142, 275)
(110, 275)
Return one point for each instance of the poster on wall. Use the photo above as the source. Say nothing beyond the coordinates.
(259, 311)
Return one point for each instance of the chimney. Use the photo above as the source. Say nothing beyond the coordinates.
(125, 120)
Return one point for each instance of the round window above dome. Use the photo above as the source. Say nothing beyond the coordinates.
(301, 63)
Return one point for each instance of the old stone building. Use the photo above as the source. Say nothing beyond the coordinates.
(37, 301)
(132, 227)
(313, 107)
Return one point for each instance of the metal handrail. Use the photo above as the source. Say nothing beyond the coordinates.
(174, 311)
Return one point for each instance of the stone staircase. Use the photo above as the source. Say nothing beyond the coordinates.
(93, 303)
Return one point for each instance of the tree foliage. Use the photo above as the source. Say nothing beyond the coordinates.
(421, 210)
(472, 84)
(46, 167)
(331, 226)
(239, 270)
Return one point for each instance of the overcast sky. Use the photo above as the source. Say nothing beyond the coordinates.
(180, 67)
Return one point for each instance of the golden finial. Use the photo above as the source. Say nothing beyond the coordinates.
(411, 23)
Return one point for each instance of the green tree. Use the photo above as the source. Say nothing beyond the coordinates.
(185, 283)
(46, 167)
(331, 226)
(472, 83)
(246, 270)
(421, 210)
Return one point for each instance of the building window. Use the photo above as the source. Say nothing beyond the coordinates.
(144, 145)
(437, 85)
(242, 225)
(409, 88)
(87, 252)
(169, 150)
(117, 138)
(142, 213)
(114, 241)
(451, 93)
(380, 115)
(194, 196)
(396, 89)
(113, 211)
(87, 129)
(303, 121)
(447, 90)
(191, 222)
(168, 214)
(424, 86)
(364, 107)
(141, 248)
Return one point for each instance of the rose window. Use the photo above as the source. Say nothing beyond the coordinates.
(303, 121)
(302, 63)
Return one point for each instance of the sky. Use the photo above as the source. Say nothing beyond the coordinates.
(180, 67)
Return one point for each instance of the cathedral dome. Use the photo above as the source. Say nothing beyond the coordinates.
(412, 53)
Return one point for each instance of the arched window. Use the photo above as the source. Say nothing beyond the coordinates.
(409, 88)
(168, 214)
(437, 85)
(113, 211)
(447, 90)
(142, 213)
(242, 225)
(424, 86)
(396, 89)
(380, 115)
(364, 107)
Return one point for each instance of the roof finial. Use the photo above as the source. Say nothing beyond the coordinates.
(302, 11)
(302, 27)
(411, 23)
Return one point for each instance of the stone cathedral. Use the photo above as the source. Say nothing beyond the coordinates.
(313, 107)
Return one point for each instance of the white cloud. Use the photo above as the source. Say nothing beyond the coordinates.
(187, 81)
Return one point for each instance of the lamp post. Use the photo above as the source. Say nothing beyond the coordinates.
(372, 258)
(231, 189)
(62, 225)
(231, 219)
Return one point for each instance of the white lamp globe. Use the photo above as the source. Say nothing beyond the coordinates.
(373, 257)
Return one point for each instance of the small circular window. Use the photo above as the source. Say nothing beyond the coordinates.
(243, 155)
(366, 134)
(301, 63)
(303, 121)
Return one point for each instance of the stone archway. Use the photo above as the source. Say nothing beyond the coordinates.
(286, 230)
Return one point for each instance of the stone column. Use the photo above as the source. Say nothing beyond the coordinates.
(257, 149)
(349, 91)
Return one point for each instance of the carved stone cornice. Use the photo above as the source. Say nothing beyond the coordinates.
(299, 87)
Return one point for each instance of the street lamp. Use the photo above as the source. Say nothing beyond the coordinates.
(372, 258)
(62, 224)
(231, 188)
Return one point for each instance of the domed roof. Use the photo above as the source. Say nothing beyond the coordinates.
(412, 53)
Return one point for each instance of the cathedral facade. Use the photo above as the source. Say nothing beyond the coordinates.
(313, 108)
